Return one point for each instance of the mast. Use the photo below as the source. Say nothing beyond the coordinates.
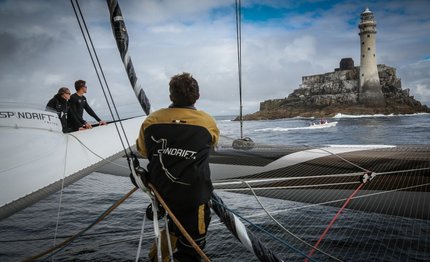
(121, 37)
(244, 143)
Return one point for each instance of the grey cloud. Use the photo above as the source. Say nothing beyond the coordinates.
(45, 50)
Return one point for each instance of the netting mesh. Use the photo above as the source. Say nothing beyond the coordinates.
(387, 220)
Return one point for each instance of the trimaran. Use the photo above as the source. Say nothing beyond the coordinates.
(386, 179)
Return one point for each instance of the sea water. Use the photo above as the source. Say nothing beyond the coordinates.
(358, 236)
(349, 130)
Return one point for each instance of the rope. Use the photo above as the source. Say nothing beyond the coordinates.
(285, 229)
(402, 171)
(334, 219)
(236, 227)
(97, 155)
(156, 227)
(178, 224)
(281, 179)
(292, 187)
(66, 242)
(61, 197)
(345, 160)
(142, 231)
(86, 235)
(98, 75)
(169, 243)
(344, 199)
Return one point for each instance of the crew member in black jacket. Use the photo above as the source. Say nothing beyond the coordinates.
(177, 142)
(78, 102)
(59, 103)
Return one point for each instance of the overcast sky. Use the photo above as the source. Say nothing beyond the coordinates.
(42, 48)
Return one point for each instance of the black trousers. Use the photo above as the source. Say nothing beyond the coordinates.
(195, 221)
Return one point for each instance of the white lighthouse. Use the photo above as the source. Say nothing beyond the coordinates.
(370, 92)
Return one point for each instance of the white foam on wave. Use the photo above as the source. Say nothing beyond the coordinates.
(340, 115)
(285, 129)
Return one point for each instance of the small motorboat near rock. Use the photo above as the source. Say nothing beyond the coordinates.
(322, 124)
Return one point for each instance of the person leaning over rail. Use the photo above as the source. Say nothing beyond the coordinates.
(78, 102)
(177, 141)
(59, 103)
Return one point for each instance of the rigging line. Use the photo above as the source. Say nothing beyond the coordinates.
(94, 55)
(402, 171)
(86, 235)
(285, 229)
(66, 242)
(61, 195)
(340, 200)
(292, 187)
(239, 58)
(280, 179)
(104, 78)
(226, 214)
(108, 90)
(157, 233)
(334, 219)
(178, 224)
(168, 237)
(237, 182)
(95, 67)
(94, 153)
(346, 160)
(142, 232)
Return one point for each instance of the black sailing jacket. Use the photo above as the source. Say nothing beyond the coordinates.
(61, 106)
(77, 106)
(177, 143)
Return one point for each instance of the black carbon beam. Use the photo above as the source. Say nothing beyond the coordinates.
(121, 38)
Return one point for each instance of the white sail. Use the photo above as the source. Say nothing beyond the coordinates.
(36, 155)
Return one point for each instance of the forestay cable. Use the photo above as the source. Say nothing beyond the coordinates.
(86, 34)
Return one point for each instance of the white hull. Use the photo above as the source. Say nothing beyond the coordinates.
(35, 154)
(37, 158)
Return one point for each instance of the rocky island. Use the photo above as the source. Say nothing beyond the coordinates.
(354, 90)
(338, 92)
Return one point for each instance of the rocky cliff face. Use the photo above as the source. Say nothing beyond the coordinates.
(337, 92)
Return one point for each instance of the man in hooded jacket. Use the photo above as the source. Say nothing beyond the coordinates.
(177, 141)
